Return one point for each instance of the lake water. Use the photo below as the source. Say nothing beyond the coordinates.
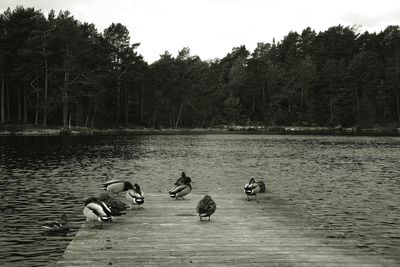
(349, 186)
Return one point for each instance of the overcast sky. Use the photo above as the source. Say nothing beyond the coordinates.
(211, 28)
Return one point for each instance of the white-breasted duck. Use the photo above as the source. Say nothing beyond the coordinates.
(135, 196)
(206, 207)
(59, 227)
(116, 186)
(116, 206)
(96, 211)
(181, 190)
(252, 189)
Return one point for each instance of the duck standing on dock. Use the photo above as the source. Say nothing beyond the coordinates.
(96, 211)
(253, 188)
(206, 207)
(181, 190)
(135, 195)
(116, 186)
(59, 227)
(116, 206)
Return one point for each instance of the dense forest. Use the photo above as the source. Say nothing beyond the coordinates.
(58, 71)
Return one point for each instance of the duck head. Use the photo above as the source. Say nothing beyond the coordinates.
(207, 198)
(252, 181)
(90, 200)
(128, 186)
(136, 188)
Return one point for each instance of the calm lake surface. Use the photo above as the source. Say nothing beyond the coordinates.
(349, 186)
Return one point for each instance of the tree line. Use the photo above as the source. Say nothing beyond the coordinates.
(56, 70)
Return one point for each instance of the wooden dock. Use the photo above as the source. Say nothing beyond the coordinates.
(167, 232)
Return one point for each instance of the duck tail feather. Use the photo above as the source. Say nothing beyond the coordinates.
(261, 184)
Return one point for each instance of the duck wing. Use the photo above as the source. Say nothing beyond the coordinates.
(180, 181)
(98, 210)
(206, 207)
(200, 206)
(113, 203)
(178, 188)
(111, 182)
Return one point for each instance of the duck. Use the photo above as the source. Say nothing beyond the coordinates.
(96, 211)
(116, 186)
(206, 207)
(252, 189)
(116, 206)
(181, 190)
(57, 227)
(135, 196)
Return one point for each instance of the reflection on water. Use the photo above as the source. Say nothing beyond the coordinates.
(349, 186)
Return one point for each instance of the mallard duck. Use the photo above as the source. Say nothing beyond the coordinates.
(96, 211)
(135, 195)
(181, 190)
(181, 179)
(206, 207)
(116, 186)
(57, 227)
(252, 189)
(116, 206)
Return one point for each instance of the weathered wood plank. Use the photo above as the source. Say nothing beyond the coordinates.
(167, 232)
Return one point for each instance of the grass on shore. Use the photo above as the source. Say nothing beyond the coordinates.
(31, 130)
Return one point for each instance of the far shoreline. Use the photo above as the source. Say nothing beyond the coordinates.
(24, 130)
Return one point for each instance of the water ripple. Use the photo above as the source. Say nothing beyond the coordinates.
(347, 186)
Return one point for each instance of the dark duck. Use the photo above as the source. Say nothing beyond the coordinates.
(59, 227)
(206, 207)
